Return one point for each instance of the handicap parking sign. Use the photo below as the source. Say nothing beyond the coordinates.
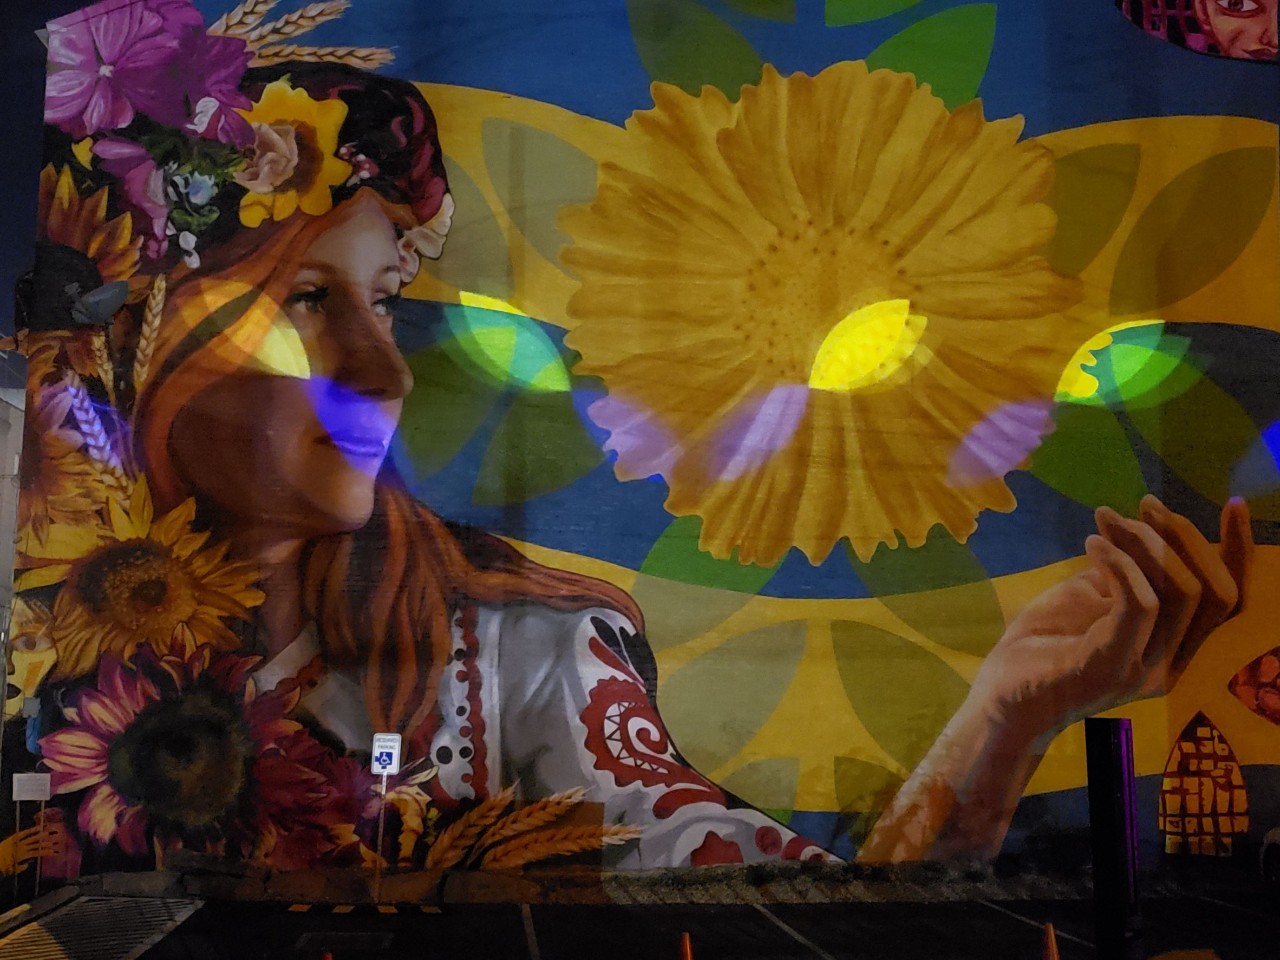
(386, 753)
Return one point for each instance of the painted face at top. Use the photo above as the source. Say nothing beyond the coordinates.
(1240, 28)
(293, 457)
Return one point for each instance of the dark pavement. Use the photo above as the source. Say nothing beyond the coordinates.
(989, 930)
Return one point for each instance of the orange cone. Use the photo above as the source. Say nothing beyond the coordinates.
(686, 947)
(1050, 943)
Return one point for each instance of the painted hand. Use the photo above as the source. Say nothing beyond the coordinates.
(17, 851)
(1126, 627)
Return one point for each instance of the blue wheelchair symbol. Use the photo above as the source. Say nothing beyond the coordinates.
(383, 759)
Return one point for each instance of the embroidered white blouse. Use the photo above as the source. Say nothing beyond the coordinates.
(551, 700)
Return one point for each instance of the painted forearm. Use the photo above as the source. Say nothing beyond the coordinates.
(959, 800)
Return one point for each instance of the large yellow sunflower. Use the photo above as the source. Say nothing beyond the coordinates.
(67, 218)
(293, 164)
(805, 302)
(147, 581)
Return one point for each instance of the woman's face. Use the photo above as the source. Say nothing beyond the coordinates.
(286, 457)
(1240, 28)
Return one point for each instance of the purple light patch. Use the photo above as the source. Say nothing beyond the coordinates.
(357, 425)
(757, 430)
(1000, 442)
(644, 447)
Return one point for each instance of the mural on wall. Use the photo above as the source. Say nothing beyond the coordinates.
(1243, 29)
(765, 477)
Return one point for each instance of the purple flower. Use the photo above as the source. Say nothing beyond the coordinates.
(212, 68)
(178, 15)
(144, 188)
(106, 67)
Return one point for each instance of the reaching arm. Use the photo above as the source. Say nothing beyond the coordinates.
(1123, 629)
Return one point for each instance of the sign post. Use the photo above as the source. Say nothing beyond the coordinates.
(385, 762)
(30, 786)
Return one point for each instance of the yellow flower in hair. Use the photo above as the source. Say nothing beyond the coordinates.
(805, 303)
(292, 164)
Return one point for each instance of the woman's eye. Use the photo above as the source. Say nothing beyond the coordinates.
(312, 301)
(386, 306)
(1237, 6)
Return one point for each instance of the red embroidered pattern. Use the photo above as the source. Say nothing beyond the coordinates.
(479, 776)
(626, 737)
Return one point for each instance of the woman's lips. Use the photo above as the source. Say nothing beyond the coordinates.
(358, 446)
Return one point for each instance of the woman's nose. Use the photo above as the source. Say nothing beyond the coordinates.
(365, 358)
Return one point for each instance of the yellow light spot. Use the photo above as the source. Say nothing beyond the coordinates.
(1078, 384)
(867, 346)
(485, 302)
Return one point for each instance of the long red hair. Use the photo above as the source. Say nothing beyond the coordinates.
(383, 597)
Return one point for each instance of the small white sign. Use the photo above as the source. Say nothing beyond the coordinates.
(31, 786)
(386, 753)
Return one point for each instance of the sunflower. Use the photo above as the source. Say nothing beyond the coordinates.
(67, 218)
(141, 581)
(292, 164)
(57, 482)
(803, 302)
(175, 742)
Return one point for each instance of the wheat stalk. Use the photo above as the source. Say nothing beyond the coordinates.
(242, 19)
(96, 441)
(296, 24)
(541, 844)
(150, 329)
(456, 841)
(530, 817)
(369, 58)
(102, 361)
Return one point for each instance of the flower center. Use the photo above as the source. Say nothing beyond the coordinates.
(805, 286)
(139, 585)
(106, 70)
(184, 760)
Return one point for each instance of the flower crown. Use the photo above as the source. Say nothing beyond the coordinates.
(199, 132)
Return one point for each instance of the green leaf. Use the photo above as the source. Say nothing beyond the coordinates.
(902, 693)
(939, 588)
(675, 556)
(442, 412)
(1200, 434)
(535, 173)
(476, 256)
(1138, 374)
(949, 51)
(1091, 191)
(1193, 229)
(766, 784)
(540, 446)
(1088, 458)
(844, 13)
(716, 703)
(783, 11)
(675, 613)
(682, 43)
(509, 349)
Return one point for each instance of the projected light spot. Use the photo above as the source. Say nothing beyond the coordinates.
(868, 346)
(1000, 442)
(757, 430)
(281, 353)
(504, 345)
(1078, 384)
(355, 424)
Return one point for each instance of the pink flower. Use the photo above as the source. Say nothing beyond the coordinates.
(144, 188)
(178, 15)
(273, 159)
(167, 744)
(106, 67)
(212, 68)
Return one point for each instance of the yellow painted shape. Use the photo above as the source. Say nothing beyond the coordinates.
(1077, 383)
(868, 346)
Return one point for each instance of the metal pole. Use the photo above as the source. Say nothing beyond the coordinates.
(1113, 826)
(39, 841)
(382, 825)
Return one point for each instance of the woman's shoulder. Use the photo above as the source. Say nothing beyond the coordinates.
(539, 628)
